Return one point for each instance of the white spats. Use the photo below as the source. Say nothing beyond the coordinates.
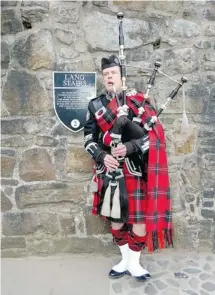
(134, 266)
(122, 265)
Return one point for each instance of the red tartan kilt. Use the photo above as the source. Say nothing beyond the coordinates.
(137, 196)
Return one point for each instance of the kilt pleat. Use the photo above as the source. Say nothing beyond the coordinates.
(136, 189)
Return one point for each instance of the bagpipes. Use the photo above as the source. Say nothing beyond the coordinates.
(114, 201)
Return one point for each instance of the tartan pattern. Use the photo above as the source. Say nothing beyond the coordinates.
(120, 236)
(149, 204)
(137, 196)
(158, 190)
(107, 120)
(135, 242)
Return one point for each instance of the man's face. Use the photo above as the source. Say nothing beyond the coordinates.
(112, 76)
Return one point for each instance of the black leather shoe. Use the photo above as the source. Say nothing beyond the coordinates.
(147, 275)
(115, 274)
(142, 278)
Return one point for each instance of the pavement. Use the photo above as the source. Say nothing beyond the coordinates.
(173, 273)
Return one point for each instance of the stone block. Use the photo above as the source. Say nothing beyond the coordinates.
(49, 193)
(49, 222)
(35, 15)
(212, 97)
(84, 64)
(8, 3)
(208, 142)
(46, 141)
(78, 161)
(101, 3)
(181, 235)
(189, 12)
(208, 204)
(207, 213)
(164, 6)
(28, 3)
(134, 31)
(20, 223)
(36, 165)
(140, 54)
(5, 57)
(189, 197)
(132, 8)
(210, 56)
(60, 157)
(33, 53)
(76, 139)
(60, 130)
(205, 149)
(183, 60)
(39, 125)
(14, 126)
(96, 226)
(13, 253)
(210, 158)
(206, 130)
(204, 44)
(13, 242)
(185, 146)
(209, 13)
(83, 245)
(10, 23)
(67, 225)
(10, 182)
(66, 51)
(9, 153)
(71, 36)
(65, 13)
(8, 191)
(17, 141)
(23, 95)
(206, 229)
(7, 166)
(183, 28)
(192, 173)
(39, 246)
(209, 194)
(4, 111)
(192, 208)
(210, 30)
(209, 175)
(6, 204)
(209, 66)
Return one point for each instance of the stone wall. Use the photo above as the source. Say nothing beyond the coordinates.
(45, 199)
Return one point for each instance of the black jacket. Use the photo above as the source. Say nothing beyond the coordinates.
(93, 135)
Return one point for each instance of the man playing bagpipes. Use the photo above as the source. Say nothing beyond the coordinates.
(127, 142)
(145, 175)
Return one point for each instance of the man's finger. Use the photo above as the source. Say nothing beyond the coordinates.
(112, 162)
(119, 149)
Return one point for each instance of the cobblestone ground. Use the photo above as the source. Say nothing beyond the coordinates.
(172, 274)
(88, 275)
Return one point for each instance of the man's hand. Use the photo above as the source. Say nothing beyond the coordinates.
(110, 163)
(119, 151)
